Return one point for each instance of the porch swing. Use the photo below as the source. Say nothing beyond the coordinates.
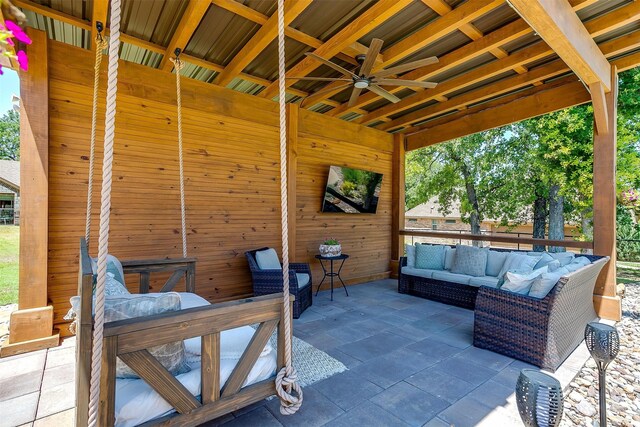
(100, 345)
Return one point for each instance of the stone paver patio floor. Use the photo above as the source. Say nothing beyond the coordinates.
(411, 362)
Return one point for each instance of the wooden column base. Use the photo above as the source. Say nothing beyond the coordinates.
(30, 330)
(609, 308)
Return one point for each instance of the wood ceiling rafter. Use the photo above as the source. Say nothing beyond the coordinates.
(145, 44)
(433, 31)
(99, 14)
(611, 48)
(363, 24)
(348, 54)
(260, 40)
(195, 11)
(467, 52)
(534, 52)
(559, 26)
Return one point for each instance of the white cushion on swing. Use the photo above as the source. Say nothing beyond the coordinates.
(113, 266)
(137, 402)
(268, 260)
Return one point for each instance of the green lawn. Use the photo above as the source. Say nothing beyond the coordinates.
(9, 237)
(628, 272)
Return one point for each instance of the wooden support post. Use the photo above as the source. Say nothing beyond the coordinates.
(31, 325)
(608, 304)
(398, 200)
(292, 170)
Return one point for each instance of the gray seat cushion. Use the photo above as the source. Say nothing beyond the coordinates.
(419, 272)
(489, 281)
(303, 280)
(451, 277)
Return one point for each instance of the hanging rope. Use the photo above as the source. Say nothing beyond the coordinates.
(101, 44)
(105, 207)
(179, 65)
(286, 380)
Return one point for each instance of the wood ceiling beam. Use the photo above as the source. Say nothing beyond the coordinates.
(532, 102)
(441, 7)
(559, 26)
(99, 14)
(372, 18)
(556, 68)
(260, 40)
(233, 6)
(472, 50)
(152, 47)
(537, 51)
(195, 11)
(430, 33)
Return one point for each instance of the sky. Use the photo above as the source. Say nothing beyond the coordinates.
(9, 85)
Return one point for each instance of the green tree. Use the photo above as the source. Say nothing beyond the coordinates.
(10, 136)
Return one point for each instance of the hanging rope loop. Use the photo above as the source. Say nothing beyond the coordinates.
(179, 65)
(286, 382)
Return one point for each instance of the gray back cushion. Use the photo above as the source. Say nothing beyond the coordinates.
(470, 260)
(495, 261)
(170, 355)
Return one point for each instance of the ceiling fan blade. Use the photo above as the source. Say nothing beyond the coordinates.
(400, 82)
(407, 67)
(370, 56)
(383, 93)
(354, 96)
(321, 79)
(333, 89)
(331, 64)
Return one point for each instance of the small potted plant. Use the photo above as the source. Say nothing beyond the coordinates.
(330, 247)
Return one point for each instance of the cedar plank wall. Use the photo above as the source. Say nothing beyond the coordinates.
(232, 187)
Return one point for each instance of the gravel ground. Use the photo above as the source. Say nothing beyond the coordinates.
(623, 376)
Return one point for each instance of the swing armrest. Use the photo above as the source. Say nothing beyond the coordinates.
(177, 266)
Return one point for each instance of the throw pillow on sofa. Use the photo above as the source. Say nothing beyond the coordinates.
(565, 258)
(410, 252)
(545, 259)
(545, 282)
(495, 261)
(430, 257)
(449, 256)
(470, 260)
(521, 283)
(517, 261)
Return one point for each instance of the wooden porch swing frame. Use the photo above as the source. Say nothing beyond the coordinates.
(130, 339)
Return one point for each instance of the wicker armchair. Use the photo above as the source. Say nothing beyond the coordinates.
(270, 282)
(544, 331)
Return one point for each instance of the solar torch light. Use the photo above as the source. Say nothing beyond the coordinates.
(539, 398)
(603, 343)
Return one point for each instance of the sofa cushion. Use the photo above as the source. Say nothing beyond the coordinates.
(553, 265)
(545, 282)
(303, 280)
(545, 259)
(268, 260)
(564, 257)
(517, 261)
(489, 281)
(430, 257)
(449, 257)
(470, 260)
(495, 261)
(410, 252)
(419, 272)
(451, 277)
(520, 283)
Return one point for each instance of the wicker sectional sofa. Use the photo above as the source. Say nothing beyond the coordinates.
(540, 331)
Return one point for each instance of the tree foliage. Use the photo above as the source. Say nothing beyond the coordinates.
(10, 136)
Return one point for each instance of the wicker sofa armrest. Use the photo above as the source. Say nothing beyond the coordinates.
(269, 279)
(501, 303)
(300, 267)
(403, 261)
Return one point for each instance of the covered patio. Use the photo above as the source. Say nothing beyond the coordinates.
(498, 62)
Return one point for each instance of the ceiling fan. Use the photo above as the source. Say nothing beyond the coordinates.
(363, 79)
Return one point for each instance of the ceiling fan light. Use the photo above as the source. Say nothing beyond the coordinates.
(361, 84)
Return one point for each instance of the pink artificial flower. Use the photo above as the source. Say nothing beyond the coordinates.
(1, 72)
(17, 32)
(10, 42)
(23, 60)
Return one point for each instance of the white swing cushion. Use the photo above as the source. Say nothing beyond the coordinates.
(114, 266)
(171, 355)
(268, 260)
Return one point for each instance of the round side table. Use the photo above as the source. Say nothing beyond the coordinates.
(330, 273)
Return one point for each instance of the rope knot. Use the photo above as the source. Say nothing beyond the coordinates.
(286, 382)
(177, 63)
